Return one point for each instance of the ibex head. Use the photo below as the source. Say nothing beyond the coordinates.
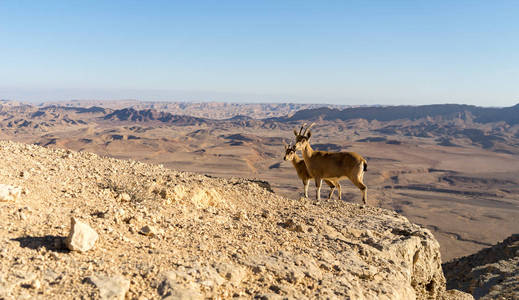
(290, 151)
(302, 137)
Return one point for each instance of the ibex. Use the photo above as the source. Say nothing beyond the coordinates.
(324, 164)
(302, 172)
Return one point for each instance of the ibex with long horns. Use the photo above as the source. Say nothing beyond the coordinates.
(324, 164)
(302, 171)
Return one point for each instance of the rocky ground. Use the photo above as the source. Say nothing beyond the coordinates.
(492, 273)
(176, 235)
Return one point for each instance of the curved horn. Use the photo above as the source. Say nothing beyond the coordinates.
(302, 127)
(308, 128)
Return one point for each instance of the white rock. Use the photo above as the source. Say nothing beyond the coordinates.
(9, 192)
(35, 284)
(170, 289)
(124, 197)
(110, 288)
(234, 274)
(5, 289)
(81, 237)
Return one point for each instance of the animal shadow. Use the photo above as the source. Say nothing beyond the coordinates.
(50, 242)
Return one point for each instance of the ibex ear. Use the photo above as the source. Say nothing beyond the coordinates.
(295, 132)
(309, 134)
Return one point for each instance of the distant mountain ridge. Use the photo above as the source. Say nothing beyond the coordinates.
(210, 110)
(282, 112)
(147, 115)
(510, 115)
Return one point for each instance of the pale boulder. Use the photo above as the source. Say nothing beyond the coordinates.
(111, 288)
(81, 237)
(9, 192)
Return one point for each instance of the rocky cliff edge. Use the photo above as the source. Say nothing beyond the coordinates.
(175, 235)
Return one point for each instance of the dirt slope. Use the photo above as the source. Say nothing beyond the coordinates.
(206, 237)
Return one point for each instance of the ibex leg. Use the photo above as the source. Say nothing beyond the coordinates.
(332, 189)
(318, 182)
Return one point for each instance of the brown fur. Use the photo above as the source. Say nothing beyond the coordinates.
(324, 164)
(304, 175)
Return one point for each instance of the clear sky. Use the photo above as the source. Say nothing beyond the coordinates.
(343, 52)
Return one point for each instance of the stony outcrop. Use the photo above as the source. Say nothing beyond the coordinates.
(213, 237)
(492, 273)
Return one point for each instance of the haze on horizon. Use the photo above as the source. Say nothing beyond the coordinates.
(381, 52)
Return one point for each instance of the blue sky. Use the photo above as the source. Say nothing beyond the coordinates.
(343, 52)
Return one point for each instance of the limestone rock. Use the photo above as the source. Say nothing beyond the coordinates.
(35, 284)
(9, 192)
(204, 198)
(111, 288)
(234, 274)
(81, 237)
(124, 197)
(171, 289)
